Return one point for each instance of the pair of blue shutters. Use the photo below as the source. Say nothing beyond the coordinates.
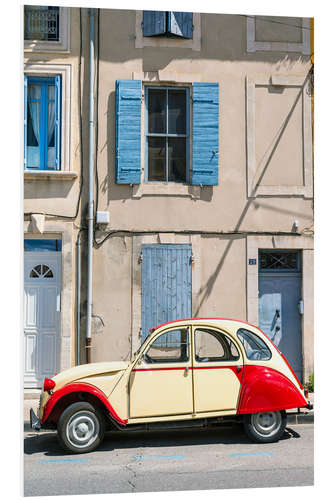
(166, 284)
(44, 81)
(172, 23)
(205, 132)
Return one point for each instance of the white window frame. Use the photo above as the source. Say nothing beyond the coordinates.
(62, 45)
(65, 70)
(254, 46)
(150, 41)
(306, 189)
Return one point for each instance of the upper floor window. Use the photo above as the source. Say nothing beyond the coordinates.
(171, 127)
(167, 134)
(42, 109)
(157, 23)
(41, 23)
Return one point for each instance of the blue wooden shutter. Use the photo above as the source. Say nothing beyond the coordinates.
(205, 134)
(166, 284)
(153, 23)
(25, 118)
(57, 125)
(181, 24)
(128, 131)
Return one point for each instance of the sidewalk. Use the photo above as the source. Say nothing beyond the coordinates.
(304, 416)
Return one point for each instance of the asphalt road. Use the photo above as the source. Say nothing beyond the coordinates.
(191, 459)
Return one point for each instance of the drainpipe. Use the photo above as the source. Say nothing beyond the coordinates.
(90, 217)
(78, 298)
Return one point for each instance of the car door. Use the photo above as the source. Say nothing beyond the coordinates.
(217, 371)
(161, 381)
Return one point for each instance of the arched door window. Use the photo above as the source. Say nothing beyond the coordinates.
(41, 271)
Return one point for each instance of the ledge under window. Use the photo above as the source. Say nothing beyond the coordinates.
(49, 174)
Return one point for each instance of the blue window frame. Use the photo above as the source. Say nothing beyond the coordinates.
(42, 110)
(167, 134)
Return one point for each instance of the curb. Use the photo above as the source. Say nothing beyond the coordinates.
(300, 418)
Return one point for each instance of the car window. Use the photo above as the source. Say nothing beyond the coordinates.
(170, 347)
(255, 348)
(212, 345)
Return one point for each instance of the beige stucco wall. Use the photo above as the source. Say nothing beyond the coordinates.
(261, 132)
(222, 58)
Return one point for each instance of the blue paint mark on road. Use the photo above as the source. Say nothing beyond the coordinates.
(259, 454)
(157, 457)
(63, 460)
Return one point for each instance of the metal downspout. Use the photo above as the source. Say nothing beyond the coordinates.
(78, 299)
(90, 217)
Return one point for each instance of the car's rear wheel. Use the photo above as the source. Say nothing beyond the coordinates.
(265, 427)
(81, 428)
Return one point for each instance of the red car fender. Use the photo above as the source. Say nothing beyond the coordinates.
(266, 389)
(77, 387)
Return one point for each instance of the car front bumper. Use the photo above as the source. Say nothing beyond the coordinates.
(34, 421)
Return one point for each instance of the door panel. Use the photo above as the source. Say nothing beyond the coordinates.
(282, 292)
(217, 371)
(215, 388)
(41, 316)
(159, 391)
(166, 284)
(161, 382)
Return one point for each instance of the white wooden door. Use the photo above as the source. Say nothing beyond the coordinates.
(42, 285)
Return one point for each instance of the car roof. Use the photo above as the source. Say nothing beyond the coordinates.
(200, 320)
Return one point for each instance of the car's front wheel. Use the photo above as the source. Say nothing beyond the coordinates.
(81, 428)
(265, 427)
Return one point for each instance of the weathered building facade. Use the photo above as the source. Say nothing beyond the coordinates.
(203, 173)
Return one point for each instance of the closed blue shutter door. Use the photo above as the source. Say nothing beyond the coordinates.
(166, 284)
(25, 118)
(153, 22)
(57, 127)
(205, 134)
(181, 24)
(128, 131)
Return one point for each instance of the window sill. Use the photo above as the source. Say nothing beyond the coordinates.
(160, 189)
(49, 174)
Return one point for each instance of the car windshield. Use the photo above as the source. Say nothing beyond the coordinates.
(142, 343)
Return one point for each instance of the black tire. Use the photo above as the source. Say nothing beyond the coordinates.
(265, 427)
(81, 428)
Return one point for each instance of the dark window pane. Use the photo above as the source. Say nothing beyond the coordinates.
(42, 245)
(177, 159)
(177, 112)
(156, 159)
(156, 111)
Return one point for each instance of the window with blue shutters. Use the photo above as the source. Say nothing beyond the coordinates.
(169, 133)
(158, 23)
(42, 122)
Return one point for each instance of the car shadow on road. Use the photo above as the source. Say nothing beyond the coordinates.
(46, 442)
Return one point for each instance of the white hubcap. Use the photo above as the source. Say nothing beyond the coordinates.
(266, 424)
(82, 429)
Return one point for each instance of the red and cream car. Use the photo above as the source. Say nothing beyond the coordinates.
(187, 372)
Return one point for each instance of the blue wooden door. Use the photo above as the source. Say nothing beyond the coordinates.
(166, 284)
(279, 314)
